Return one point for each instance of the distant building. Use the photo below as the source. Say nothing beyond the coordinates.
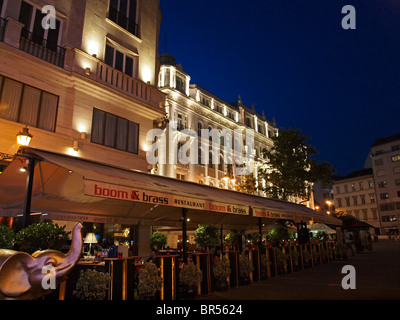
(354, 194)
(385, 160)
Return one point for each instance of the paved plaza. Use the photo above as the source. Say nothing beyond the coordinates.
(377, 278)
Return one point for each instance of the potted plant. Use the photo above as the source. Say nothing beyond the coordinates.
(264, 263)
(295, 259)
(6, 237)
(307, 258)
(150, 281)
(221, 271)
(91, 285)
(158, 240)
(41, 236)
(206, 236)
(278, 234)
(231, 239)
(316, 257)
(190, 276)
(281, 261)
(245, 268)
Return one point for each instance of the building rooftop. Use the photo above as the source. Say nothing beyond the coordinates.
(387, 139)
(355, 174)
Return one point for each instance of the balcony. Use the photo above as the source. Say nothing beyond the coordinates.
(130, 86)
(124, 22)
(41, 48)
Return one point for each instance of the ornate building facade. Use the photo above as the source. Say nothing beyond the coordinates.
(194, 108)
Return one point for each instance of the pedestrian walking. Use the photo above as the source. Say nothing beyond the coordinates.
(349, 242)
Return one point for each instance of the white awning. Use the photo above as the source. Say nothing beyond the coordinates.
(74, 188)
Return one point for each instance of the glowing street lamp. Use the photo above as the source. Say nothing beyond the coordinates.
(24, 137)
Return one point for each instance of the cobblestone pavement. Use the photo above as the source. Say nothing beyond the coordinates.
(377, 278)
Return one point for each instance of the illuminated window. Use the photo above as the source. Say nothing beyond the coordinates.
(396, 158)
(31, 17)
(27, 105)
(114, 132)
(119, 60)
(125, 14)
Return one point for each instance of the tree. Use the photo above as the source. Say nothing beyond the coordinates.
(206, 235)
(247, 185)
(290, 170)
(158, 240)
(42, 236)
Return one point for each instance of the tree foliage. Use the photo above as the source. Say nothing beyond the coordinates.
(206, 235)
(42, 236)
(290, 168)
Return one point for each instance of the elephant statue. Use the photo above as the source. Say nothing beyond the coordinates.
(21, 274)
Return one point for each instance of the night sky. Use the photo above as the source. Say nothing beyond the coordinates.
(294, 60)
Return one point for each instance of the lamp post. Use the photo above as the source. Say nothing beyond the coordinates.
(329, 203)
(23, 139)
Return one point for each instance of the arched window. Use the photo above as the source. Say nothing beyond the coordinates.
(199, 127)
(221, 166)
(210, 160)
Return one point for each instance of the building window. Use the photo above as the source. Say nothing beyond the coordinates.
(338, 189)
(124, 13)
(370, 184)
(347, 201)
(355, 202)
(180, 84)
(31, 17)
(115, 132)
(339, 202)
(379, 162)
(365, 215)
(374, 214)
(396, 158)
(357, 214)
(362, 199)
(119, 60)
(1, 8)
(397, 181)
(396, 147)
(27, 105)
(384, 196)
(372, 197)
(396, 169)
(382, 184)
(380, 173)
(353, 187)
(346, 189)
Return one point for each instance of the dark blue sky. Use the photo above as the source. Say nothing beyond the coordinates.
(293, 59)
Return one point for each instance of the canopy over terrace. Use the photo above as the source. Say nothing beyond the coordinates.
(70, 188)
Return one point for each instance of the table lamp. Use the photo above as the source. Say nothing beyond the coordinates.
(90, 238)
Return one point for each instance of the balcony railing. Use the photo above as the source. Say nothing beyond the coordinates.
(130, 86)
(124, 22)
(41, 48)
(3, 24)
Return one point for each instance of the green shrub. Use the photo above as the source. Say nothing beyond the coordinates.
(6, 237)
(41, 236)
(158, 240)
(190, 276)
(245, 266)
(206, 235)
(221, 268)
(150, 281)
(91, 285)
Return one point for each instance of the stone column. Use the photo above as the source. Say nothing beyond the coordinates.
(143, 240)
